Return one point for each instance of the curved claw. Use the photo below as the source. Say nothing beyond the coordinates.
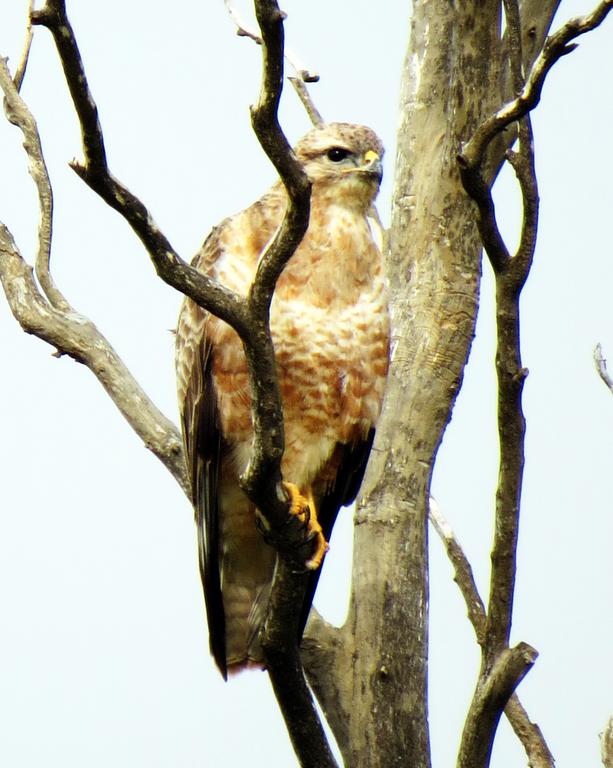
(304, 509)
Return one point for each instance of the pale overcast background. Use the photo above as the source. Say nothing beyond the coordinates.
(103, 647)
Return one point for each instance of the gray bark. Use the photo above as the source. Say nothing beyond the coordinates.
(450, 83)
(371, 676)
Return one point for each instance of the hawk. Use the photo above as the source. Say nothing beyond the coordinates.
(330, 327)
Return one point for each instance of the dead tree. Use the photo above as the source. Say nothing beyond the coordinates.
(469, 85)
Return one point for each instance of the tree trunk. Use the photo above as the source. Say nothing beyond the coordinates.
(451, 81)
(371, 676)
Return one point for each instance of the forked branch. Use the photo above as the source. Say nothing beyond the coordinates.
(492, 694)
(529, 733)
(44, 312)
(249, 316)
(240, 314)
(95, 172)
(503, 668)
(555, 47)
(510, 272)
(303, 74)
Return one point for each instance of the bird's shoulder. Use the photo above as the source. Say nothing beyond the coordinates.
(242, 237)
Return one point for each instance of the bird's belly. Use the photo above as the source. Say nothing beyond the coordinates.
(332, 366)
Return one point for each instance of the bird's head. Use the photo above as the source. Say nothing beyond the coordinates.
(343, 160)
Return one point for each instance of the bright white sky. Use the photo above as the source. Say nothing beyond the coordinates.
(103, 647)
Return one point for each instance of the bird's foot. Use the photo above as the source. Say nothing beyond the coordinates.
(303, 507)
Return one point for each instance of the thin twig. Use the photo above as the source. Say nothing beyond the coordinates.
(307, 102)
(527, 732)
(537, 17)
(19, 115)
(511, 376)
(25, 56)
(305, 74)
(556, 46)
(463, 571)
(511, 273)
(601, 366)
(302, 74)
(522, 162)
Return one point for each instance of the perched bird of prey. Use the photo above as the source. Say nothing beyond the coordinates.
(329, 323)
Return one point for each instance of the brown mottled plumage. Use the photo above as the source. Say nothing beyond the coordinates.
(329, 323)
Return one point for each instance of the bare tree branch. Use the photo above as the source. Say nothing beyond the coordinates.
(19, 115)
(479, 188)
(302, 76)
(248, 316)
(307, 102)
(278, 639)
(75, 335)
(23, 62)
(556, 46)
(536, 17)
(280, 631)
(268, 443)
(490, 699)
(510, 277)
(528, 733)
(94, 171)
(323, 648)
(601, 367)
(463, 576)
(52, 319)
(262, 480)
(212, 296)
(510, 274)
(304, 73)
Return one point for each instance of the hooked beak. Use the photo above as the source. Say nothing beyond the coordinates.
(372, 164)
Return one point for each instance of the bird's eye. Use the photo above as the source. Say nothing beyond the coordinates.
(336, 154)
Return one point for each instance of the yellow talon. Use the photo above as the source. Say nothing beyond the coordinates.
(304, 509)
